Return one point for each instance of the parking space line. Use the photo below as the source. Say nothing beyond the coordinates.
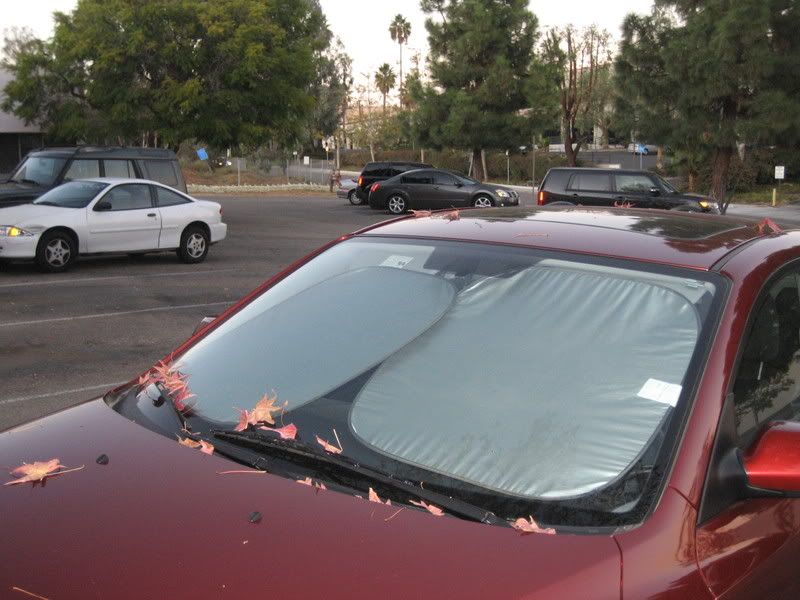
(102, 386)
(115, 314)
(87, 279)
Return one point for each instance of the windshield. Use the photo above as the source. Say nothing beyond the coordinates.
(667, 186)
(519, 380)
(74, 194)
(41, 170)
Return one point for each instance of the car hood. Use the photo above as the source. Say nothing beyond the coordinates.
(160, 521)
(25, 214)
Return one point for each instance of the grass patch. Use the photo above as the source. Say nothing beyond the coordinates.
(788, 193)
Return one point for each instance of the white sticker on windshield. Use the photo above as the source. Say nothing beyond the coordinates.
(660, 391)
(397, 261)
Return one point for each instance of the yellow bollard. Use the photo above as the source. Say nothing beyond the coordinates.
(774, 196)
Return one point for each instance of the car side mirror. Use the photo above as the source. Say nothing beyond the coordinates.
(102, 205)
(459, 184)
(654, 191)
(203, 322)
(773, 462)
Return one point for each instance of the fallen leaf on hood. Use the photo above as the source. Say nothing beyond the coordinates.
(450, 215)
(434, 510)
(328, 446)
(530, 526)
(310, 482)
(767, 226)
(287, 432)
(39, 471)
(420, 213)
(373, 497)
(201, 445)
(31, 594)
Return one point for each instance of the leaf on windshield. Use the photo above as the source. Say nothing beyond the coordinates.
(434, 510)
(262, 413)
(450, 215)
(201, 445)
(173, 380)
(530, 526)
(373, 497)
(37, 472)
(328, 446)
(244, 421)
(287, 432)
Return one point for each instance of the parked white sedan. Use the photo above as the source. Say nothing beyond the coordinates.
(94, 216)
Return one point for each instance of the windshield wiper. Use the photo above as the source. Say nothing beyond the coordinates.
(304, 453)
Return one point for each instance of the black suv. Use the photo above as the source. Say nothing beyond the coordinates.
(44, 169)
(380, 171)
(617, 187)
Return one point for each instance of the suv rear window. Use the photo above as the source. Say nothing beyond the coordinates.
(374, 170)
(594, 182)
(161, 171)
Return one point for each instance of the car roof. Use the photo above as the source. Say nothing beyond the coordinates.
(695, 241)
(105, 152)
(604, 170)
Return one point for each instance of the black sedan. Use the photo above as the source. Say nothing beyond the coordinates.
(435, 188)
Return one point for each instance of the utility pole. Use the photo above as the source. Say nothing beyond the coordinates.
(533, 165)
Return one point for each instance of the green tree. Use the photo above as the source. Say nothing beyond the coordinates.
(732, 71)
(400, 30)
(226, 72)
(331, 88)
(385, 80)
(480, 58)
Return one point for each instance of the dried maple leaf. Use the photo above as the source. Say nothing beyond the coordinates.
(767, 226)
(262, 413)
(39, 471)
(310, 482)
(530, 526)
(244, 421)
(201, 445)
(373, 497)
(287, 432)
(434, 510)
(306, 481)
(450, 215)
(328, 446)
(420, 213)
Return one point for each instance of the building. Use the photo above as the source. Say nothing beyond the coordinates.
(16, 138)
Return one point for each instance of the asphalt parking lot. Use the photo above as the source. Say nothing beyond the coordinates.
(69, 337)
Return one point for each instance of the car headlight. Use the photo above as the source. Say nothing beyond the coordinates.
(13, 231)
(703, 203)
(501, 193)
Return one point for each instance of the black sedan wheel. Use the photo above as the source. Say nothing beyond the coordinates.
(354, 199)
(397, 205)
(483, 202)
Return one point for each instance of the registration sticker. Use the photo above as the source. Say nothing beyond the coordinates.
(397, 261)
(660, 391)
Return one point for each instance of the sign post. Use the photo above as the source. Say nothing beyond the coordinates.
(780, 175)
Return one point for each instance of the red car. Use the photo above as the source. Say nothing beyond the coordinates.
(519, 404)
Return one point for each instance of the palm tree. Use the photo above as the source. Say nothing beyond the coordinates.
(400, 30)
(385, 79)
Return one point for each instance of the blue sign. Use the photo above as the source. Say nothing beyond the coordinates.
(202, 154)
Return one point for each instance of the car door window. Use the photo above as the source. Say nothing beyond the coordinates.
(129, 197)
(162, 171)
(119, 168)
(767, 385)
(590, 182)
(639, 184)
(443, 179)
(169, 198)
(418, 178)
(82, 169)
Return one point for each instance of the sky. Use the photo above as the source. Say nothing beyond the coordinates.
(363, 25)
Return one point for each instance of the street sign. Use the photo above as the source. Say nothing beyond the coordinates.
(780, 172)
(202, 154)
(306, 160)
